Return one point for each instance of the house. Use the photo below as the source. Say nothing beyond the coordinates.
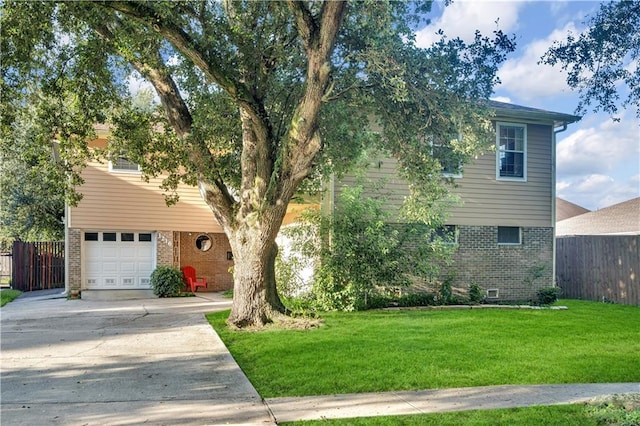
(619, 219)
(122, 229)
(505, 225)
(566, 209)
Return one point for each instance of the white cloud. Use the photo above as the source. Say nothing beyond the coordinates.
(463, 18)
(137, 83)
(597, 191)
(527, 79)
(505, 99)
(602, 147)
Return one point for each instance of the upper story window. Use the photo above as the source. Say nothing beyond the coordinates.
(511, 152)
(450, 161)
(123, 164)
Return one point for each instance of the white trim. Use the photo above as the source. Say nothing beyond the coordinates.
(524, 159)
(115, 170)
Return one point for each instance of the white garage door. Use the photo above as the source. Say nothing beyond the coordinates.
(118, 260)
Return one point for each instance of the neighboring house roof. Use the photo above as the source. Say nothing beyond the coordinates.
(566, 209)
(535, 114)
(619, 219)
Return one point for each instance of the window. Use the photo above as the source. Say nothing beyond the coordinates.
(109, 236)
(126, 236)
(450, 161)
(91, 236)
(447, 233)
(123, 164)
(144, 237)
(511, 143)
(509, 235)
(203, 242)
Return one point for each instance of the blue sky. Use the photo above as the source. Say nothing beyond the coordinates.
(598, 160)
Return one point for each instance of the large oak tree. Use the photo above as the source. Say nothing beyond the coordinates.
(258, 100)
(602, 62)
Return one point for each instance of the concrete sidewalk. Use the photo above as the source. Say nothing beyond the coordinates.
(436, 401)
(153, 361)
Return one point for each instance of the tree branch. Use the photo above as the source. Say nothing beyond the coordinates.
(305, 23)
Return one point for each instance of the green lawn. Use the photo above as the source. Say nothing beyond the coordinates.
(425, 349)
(8, 295)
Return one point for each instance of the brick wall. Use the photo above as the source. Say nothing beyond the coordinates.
(516, 271)
(164, 248)
(75, 261)
(211, 264)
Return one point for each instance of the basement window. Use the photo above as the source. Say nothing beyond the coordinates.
(492, 293)
(509, 235)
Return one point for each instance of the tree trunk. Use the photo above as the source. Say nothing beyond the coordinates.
(255, 297)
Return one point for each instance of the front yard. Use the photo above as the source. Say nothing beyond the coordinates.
(423, 349)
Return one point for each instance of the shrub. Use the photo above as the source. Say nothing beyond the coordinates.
(166, 281)
(446, 294)
(416, 299)
(475, 293)
(548, 295)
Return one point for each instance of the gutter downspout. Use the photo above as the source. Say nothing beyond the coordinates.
(553, 199)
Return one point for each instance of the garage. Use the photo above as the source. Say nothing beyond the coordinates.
(118, 260)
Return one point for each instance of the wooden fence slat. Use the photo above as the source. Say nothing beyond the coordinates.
(38, 265)
(599, 267)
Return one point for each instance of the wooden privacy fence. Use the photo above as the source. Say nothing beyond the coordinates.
(38, 266)
(599, 267)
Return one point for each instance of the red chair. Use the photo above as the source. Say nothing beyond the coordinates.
(189, 275)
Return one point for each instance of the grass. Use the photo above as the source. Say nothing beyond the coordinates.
(7, 296)
(375, 351)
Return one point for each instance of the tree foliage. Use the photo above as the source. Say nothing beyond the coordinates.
(32, 199)
(257, 100)
(603, 59)
(361, 249)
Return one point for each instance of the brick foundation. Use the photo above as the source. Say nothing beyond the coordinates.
(516, 271)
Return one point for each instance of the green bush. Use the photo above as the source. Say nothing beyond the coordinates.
(475, 293)
(166, 281)
(548, 295)
(416, 299)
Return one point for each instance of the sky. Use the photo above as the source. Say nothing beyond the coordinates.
(598, 160)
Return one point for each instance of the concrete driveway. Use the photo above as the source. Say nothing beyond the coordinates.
(152, 361)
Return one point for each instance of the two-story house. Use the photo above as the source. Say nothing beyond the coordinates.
(504, 226)
(122, 228)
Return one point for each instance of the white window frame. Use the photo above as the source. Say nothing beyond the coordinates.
(114, 169)
(499, 125)
(434, 143)
(519, 243)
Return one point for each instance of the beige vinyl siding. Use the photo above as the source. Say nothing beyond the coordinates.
(123, 201)
(489, 201)
(486, 200)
